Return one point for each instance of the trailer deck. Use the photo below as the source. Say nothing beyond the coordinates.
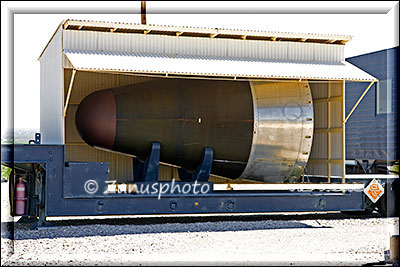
(53, 192)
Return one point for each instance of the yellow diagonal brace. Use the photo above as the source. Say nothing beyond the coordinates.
(358, 101)
(69, 92)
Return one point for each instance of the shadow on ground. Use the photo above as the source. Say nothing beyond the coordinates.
(157, 224)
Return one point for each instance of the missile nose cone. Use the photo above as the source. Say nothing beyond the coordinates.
(96, 119)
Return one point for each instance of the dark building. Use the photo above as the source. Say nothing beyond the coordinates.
(372, 130)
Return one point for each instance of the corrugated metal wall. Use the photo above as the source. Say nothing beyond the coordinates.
(141, 43)
(326, 151)
(51, 88)
(370, 135)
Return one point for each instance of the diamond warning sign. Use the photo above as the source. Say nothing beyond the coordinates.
(374, 190)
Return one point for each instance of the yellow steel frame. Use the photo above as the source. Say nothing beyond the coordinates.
(358, 101)
(71, 83)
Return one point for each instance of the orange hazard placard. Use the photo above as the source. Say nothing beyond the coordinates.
(374, 190)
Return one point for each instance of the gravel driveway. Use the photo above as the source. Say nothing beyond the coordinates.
(236, 240)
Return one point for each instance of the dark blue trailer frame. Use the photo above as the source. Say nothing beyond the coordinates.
(56, 195)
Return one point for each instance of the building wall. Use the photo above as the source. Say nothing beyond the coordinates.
(159, 44)
(370, 135)
(326, 151)
(51, 88)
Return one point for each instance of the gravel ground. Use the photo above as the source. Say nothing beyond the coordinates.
(278, 239)
(278, 242)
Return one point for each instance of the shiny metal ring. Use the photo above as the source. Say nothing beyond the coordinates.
(283, 130)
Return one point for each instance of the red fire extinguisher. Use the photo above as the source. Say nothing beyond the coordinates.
(20, 198)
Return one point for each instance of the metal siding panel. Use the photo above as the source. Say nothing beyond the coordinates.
(336, 145)
(370, 135)
(165, 173)
(300, 51)
(71, 134)
(336, 89)
(101, 42)
(336, 114)
(336, 170)
(319, 149)
(210, 65)
(120, 42)
(125, 168)
(66, 63)
(321, 115)
(317, 169)
(280, 52)
(51, 98)
(78, 40)
(317, 53)
(140, 43)
(319, 90)
(131, 79)
(293, 51)
(88, 82)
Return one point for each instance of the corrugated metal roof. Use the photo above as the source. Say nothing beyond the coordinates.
(103, 26)
(85, 26)
(212, 66)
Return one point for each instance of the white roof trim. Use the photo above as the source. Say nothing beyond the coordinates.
(213, 66)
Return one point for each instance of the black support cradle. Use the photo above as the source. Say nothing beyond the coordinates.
(146, 171)
(202, 173)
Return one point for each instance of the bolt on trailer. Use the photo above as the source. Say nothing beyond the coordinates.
(129, 110)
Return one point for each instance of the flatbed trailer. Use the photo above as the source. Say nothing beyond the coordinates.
(295, 90)
(52, 191)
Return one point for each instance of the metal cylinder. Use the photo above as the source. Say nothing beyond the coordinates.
(258, 130)
(283, 128)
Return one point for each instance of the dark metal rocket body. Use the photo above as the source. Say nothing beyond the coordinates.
(184, 116)
(258, 130)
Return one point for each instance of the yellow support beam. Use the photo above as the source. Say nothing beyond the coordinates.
(344, 132)
(358, 101)
(69, 92)
(329, 135)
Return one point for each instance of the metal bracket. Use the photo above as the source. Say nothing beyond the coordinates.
(144, 171)
(202, 173)
(41, 221)
(366, 165)
(37, 139)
